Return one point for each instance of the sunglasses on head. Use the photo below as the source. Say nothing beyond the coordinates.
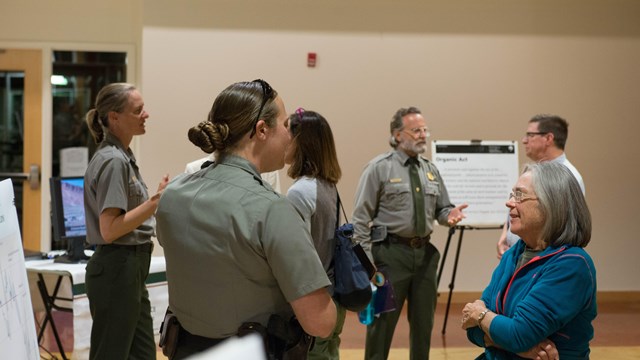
(267, 93)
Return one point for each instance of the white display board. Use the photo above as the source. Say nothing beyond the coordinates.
(18, 338)
(479, 173)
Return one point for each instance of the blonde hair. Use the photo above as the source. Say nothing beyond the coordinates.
(112, 97)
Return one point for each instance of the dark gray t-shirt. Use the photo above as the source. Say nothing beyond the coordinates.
(315, 199)
(526, 256)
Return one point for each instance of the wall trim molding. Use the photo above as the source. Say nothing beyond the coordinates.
(463, 297)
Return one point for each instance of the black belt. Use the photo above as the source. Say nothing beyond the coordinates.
(196, 342)
(146, 248)
(413, 242)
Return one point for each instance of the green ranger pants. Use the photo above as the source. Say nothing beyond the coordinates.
(412, 273)
(119, 303)
(328, 348)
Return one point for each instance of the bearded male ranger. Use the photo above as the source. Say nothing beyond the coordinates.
(399, 196)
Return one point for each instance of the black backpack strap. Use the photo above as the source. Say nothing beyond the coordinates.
(337, 209)
(338, 206)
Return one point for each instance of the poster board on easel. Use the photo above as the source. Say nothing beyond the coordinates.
(479, 173)
(17, 326)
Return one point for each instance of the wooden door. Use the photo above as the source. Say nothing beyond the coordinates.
(26, 126)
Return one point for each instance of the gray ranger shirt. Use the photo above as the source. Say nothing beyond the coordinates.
(384, 197)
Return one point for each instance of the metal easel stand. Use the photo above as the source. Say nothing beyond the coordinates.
(49, 305)
(452, 231)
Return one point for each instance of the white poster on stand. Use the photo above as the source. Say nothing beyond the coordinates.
(18, 338)
(479, 173)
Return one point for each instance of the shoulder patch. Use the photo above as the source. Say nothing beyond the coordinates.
(381, 157)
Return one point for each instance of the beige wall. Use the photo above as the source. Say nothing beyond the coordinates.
(114, 21)
(477, 71)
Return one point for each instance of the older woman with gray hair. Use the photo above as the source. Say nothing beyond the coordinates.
(541, 300)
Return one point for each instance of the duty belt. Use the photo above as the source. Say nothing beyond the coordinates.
(143, 248)
(412, 242)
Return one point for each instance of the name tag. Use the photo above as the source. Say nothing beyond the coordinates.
(395, 180)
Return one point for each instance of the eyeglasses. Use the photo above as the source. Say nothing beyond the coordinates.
(519, 197)
(531, 134)
(267, 93)
(415, 132)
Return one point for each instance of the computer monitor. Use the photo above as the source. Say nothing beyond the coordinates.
(67, 217)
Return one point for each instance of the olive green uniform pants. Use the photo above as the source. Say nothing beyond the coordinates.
(328, 348)
(119, 303)
(412, 273)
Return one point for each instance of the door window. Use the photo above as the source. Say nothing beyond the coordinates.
(77, 78)
(12, 129)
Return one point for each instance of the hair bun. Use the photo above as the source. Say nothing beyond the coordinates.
(209, 136)
(222, 130)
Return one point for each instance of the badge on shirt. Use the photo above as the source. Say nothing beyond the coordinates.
(430, 176)
(395, 180)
